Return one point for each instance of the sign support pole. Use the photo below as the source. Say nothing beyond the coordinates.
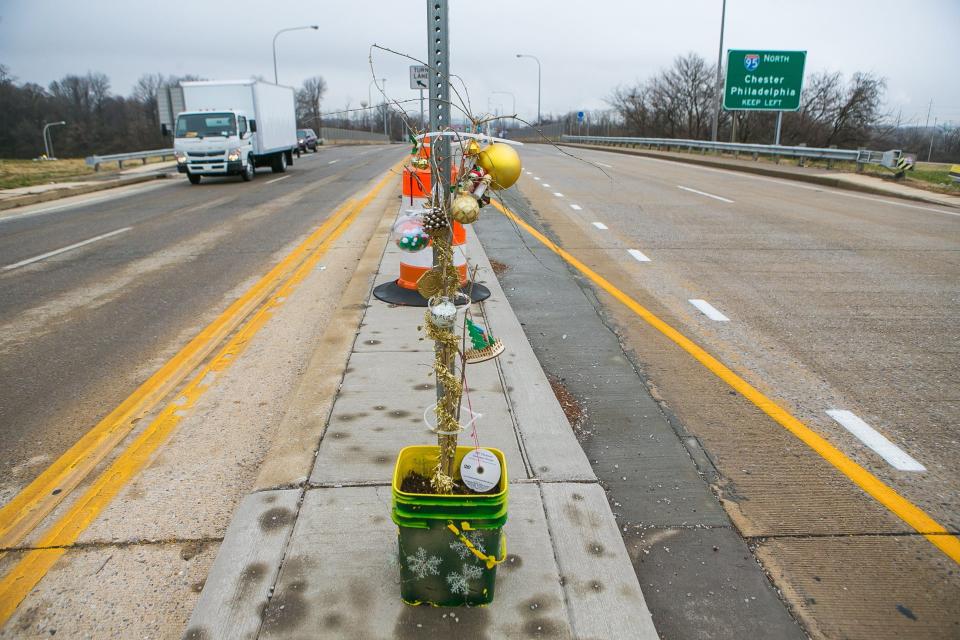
(776, 139)
(439, 84)
(423, 120)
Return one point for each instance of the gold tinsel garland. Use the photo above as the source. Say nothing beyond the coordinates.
(444, 353)
(447, 422)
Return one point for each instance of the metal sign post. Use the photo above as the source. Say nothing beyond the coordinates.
(439, 87)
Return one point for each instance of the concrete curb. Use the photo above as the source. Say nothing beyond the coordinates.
(290, 459)
(770, 172)
(57, 194)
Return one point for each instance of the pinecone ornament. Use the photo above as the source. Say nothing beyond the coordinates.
(434, 220)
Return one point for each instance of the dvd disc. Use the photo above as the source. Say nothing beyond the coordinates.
(480, 470)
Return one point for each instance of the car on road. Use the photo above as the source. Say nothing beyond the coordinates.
(307, 139)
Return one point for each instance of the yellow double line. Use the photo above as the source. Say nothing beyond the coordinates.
(22, 514)
(911, 514)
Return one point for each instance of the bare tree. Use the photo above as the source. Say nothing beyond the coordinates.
(309, 97)
(676, 103)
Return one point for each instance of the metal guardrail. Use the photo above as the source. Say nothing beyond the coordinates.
(330, 134)
(120, 158)
(890, 159)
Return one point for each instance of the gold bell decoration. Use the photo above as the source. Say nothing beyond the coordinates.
(465, 209)
(471, 147)
(502, 163)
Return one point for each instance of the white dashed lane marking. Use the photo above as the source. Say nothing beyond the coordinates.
(576, 207)
(56, 252)
(638, 255)
(869, 436)
(600, 225)
(276, 179)
(709, 310)
(704, 193)
(558, 194)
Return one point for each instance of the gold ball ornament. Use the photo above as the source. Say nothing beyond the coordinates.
(502, 163)
(465, 209)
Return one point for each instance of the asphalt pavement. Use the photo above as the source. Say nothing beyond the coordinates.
(79, 330)
(825, 301)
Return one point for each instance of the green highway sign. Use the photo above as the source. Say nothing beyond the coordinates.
(763, 80)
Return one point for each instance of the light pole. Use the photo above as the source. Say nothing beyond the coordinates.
(47, 144)
(309, 26)
(386, 108)
(716, 113)
(527, 55)
(507, 93)
(370, 99)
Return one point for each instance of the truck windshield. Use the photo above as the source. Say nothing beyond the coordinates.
(202, 125)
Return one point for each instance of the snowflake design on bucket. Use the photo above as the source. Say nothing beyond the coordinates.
(462, 550)
(422, 565)
(460, 581)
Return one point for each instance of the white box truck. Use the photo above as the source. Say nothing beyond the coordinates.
(231, 127)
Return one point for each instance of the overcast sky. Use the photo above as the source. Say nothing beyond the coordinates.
(586, 48)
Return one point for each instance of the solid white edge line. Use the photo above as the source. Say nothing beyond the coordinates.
(56, 252)
(869, 436)
(276, 180)
(601, 226)
(558, 194)
(709, 310)
(576, 207)
(638, 255)
(143, 186)
(704, 193)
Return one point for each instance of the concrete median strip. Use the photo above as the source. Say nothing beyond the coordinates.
(567, 575)
(22, 514)
(909, 513)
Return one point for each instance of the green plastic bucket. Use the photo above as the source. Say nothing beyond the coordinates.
(449, 546)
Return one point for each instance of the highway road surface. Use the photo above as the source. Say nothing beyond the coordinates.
(761, 372)
(841, 308)
(95, 297)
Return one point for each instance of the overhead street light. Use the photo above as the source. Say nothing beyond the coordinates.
(309, 26)
(370, 98)
(507, 93)
(47, 143)
(527, 55)
(716, 113)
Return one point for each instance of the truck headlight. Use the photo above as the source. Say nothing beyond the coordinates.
(234, 155)
(181, 157)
